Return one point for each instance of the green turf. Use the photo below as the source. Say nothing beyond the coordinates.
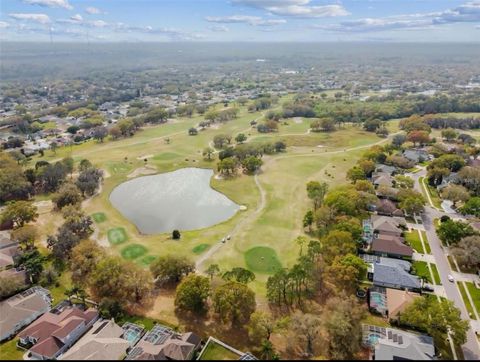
(146, 260)
(436, 275)
(10, 352)
(262, 259)
(216, 352)
(117, 236)
(133, 251)
(475, 294)
(99, 217)
(166, 156)
(426, 243)
(421, 270)
(200, 248)
(413, 239)
(468, 305)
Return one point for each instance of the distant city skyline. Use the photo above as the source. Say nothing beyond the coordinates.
(240, 20)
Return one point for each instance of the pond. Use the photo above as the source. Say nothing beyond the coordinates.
(182, 199)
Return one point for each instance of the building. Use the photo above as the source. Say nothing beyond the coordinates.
(391, 246)
(163, 343)
(390, 344)
(416, 155)
(54, 332)
(390, 302)
(22, 309)
(391, 273)
(382, 179)
(104, 341)
(388, 225)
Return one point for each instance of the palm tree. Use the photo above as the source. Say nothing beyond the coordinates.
(267, 352)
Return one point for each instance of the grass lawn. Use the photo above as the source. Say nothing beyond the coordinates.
(436, 275)
(117, 236)
(468, 305)
(452, 264)
(432, 191)
(262, 259)
(216, 352)
(475, 294)
(134, 251)
(99, 217)
(421, 270)
(9, 351)
(147, 322)
(413, 239)
(64, 283)
(200, 248)
(146, 260)
(425, 242)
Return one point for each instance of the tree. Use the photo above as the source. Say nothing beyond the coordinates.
(470, 178)
(9, 286)
(316, 192)
(412, 205)
(54, 146)
(84, 259)
(327, 124)
(342, 322)
(208, 152)
(436, 318)
(337, 243)
(13, 183)
(69, 194)
(122, 281)
(449, 134)
(345, 272)
(99, 133)
(365, 186)
(305, 329)
(192, 131)
(404, 182)
(115, 132)
(267, 351)
(355, 173)
(110, 309)
(471, 207)
(32, 261)
(418, 137)
(19, 213)
(251, 164)
(176, 235)
(239, 275)
(212, 270)
(25, 236)
(221, 140)
(171, 268)
(89, 180)
(261, 326)
(227, 166)
(234, 303)
(451, 232)
(467, 252)
(240, 138)
(455, 193)
(308, 220)
(398, 140)
(435, 175)
(192, 293)
(372, 125)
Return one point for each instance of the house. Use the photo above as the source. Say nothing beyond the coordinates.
(54, 332)
(163, 343)
(416, 155)
(390, 302)
(388, 208)
(382, 178)
(104, 341)
(367, 234)
(22, 309)
(446, 180)
(390, 246)
(390, 344)
(380, 167)
(391, 273)
(388, 225)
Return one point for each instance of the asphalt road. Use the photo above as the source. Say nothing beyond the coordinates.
(471, 349)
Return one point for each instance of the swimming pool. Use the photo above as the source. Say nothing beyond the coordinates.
(373, 339)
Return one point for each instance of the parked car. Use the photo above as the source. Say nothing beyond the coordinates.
(450, 278)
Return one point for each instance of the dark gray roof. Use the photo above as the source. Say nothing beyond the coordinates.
(394, 275)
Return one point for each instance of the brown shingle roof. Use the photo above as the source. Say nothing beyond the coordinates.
(391, 246)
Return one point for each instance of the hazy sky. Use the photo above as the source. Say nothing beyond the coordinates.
(240, 20)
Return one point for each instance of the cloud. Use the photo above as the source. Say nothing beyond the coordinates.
(37, 18)
(468, 12)
(171, 33)
(50, 3)
(92, 11)
(76, 18)
(4, 25)
(218, 28)
(246, 19)
(295, 8)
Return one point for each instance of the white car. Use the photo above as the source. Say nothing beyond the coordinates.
(450, 278)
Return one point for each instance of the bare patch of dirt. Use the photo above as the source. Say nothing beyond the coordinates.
(146, 170)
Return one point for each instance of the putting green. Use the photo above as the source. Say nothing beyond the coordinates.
(117, 236)
(134, 251)
(200, 248)
(99, 217)
(262, 259)
(146, 260)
